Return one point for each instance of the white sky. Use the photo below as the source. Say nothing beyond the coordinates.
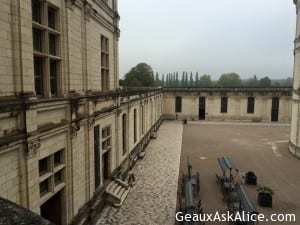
(209, 36)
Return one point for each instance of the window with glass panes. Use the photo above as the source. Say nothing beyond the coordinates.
(51, 173)
(104, 63)
(46, 40)
(106, 139)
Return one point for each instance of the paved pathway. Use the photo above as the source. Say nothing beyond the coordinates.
(152, 201)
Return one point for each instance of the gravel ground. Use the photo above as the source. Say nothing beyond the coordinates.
(153, 198)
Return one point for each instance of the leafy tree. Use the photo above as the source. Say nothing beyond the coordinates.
(265, 82)
(205, 81)
(230, 80)
(135, 83)
(140, 76)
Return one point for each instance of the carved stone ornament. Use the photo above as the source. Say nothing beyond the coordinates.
(32, 147)
(75, 127)
(297, 91)
(91, 122)
(88, 11)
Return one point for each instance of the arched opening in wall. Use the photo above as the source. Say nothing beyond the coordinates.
(124, 135)
(202, 104)
(275, 109)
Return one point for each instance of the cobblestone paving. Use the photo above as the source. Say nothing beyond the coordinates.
(153, 198)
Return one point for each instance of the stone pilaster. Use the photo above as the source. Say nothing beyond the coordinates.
(295, 121)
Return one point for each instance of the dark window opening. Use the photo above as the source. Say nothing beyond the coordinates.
(104, 79)
(275, 109)
(134, 126)
(58, 178)
(178, 103)
(104, 63)
(37, 40)
(52, 44)
(43, 166)
(53, 77)
(36, 10)
(52, 18)
(38, 75)
(97, 156)
(224, 103)
(250, 106)
(57, 158)
(142, 117)
(124, 136)
(106, 166)
(44, 187)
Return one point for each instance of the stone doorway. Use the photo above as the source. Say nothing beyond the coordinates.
(106, 166)
(52, 209)
(202, 103)
(275, 109)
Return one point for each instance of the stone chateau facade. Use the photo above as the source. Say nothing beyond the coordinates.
(66, 129)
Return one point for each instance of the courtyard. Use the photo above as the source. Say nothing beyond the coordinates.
(259, 147)
(262, 148)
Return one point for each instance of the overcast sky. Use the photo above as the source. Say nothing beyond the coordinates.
(208, 36)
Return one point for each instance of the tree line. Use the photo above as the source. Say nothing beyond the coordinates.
(142, 75)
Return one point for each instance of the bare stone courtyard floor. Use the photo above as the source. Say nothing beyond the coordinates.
(153, 198)
(262, 148)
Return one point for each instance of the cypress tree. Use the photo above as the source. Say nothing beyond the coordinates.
(197, 80)
(191, 80)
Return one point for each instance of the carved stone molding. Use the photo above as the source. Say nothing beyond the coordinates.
(75, 127)
(91, 122)
(32, 147)
(297, 91)
(119, 111)
(70, 4)
(88, 10)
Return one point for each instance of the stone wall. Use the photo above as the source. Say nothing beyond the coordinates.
(236, 105)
